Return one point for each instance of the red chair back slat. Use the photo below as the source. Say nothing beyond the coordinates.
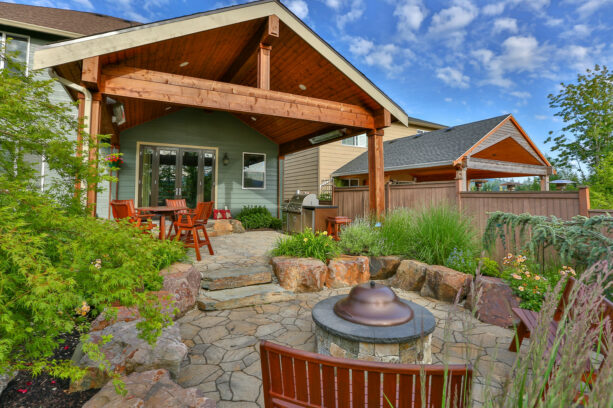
(204, 209)
(355, 383)
(176, 203)
(123, 208)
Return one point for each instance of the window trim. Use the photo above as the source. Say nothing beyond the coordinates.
(355, 138)
(3, 35)
(243, 172)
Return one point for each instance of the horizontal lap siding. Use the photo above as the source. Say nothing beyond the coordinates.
(300, 172)
(194, 127)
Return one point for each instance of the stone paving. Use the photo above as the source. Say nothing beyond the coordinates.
(223, 359)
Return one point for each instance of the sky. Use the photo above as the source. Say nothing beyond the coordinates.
(448, 61)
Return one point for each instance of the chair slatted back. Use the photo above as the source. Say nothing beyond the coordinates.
(204, 209)
(177, 204)
(295, 378)
(123, 209)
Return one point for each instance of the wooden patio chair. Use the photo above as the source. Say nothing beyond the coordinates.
(174, 203)
(188, 225)
(124, 209)
(294, 378)
(529, 321)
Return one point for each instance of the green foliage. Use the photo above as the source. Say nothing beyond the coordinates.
(601, 184)
(325, 197)
(307, 244)
(56, 266)
(581, 241)
(467, 263)
(361, 237)
(397, 232)
(488, 267)
(254, 217)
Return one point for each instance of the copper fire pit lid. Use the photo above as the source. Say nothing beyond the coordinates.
(373, 304)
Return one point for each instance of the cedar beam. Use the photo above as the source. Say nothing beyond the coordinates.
(383, 119)
(143, 84)
(90, 74)
(376, 174)
(304, 143)
(95, 123)
(264, 66)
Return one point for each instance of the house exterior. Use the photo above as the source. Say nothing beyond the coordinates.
(311, 170)
(491, 148)
(30, 28)
(207, 106)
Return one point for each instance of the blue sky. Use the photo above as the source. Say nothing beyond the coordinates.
(448, 61)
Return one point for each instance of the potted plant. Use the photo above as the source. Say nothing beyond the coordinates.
(114, 161)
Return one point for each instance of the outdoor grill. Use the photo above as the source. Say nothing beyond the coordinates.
(304, 211)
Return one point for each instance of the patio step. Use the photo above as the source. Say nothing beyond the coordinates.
(243, 297)
(237, 278)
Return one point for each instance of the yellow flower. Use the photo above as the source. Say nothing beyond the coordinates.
(306, 239)
(324, 233)
(527, 273)
(536, 277)
(516, 276)
(84, 309)
(521, 288)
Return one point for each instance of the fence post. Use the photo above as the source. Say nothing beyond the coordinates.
(584, 201)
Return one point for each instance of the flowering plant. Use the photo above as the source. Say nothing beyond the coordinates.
(529, 286)
(114, 161)
(307, 244)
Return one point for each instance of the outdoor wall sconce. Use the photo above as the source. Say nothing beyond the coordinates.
(226, 159)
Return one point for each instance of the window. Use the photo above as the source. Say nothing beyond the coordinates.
(254, 171)
(420, 131)
(348, 183)
(357, 141)
(15, 44)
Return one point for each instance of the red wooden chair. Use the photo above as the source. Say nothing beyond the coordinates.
(124, 209)
(294, 378)
(176, 203)
(189, 224)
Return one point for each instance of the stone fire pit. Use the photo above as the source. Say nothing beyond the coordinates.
(407, 343)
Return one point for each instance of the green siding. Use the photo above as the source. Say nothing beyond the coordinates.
(194, 127)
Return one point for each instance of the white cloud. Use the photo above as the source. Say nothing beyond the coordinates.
(541, 117)
(456, 17)
(505, 24)
(360, 46)
(335, 4)
(493, 9)
(521, 94)
(589, 7)
(355, 12)
(448, 100)
(578, 31)
(452, 77)
(385, 56)
(299, 7)
(85, 4)
(410, 13)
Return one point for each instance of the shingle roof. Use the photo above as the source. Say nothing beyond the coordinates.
(436, 148)
(78, 22)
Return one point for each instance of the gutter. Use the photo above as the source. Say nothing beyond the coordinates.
(396, 168)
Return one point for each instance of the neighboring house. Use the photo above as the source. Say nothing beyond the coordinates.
(490, 148)
(211, 102)
(310, 170)
(31, 27)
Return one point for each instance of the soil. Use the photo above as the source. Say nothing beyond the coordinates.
(44, 390)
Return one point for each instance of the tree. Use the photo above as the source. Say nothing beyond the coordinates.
(586, 108)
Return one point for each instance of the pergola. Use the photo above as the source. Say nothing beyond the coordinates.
(257, 61)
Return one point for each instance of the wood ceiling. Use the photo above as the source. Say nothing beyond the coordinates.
(229, 54)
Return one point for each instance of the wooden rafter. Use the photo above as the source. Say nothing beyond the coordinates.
(90, 75)
(203, 93)
(304, 142)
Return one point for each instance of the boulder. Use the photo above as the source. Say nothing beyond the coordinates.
(5, 379)
(150, 389)
(495, 301)
(221, 227)
(237, 226)
(300, 274)
(410, 275)
(347, 271)
(127, 353)
(383, 267)
(445, 284)
(182, 281)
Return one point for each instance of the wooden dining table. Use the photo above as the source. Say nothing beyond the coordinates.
(163, 211)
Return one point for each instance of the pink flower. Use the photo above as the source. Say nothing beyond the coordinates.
(52, 381)
(66, 347)
(22, 390)
(29, 383)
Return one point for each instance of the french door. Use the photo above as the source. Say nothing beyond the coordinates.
(175, 172)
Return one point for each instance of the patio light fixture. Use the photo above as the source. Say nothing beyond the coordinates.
(226, 159)
(302, 87)
(328, 136)
(184, 64)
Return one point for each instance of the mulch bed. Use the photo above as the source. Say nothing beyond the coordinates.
(44, 390)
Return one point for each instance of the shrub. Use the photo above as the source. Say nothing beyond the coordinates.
(361, 237)
(325, 197)
(307, 244)
(397, 232)
(60, 269)
(489, 267)
(254, 217)
(437, 231)
(469, 264)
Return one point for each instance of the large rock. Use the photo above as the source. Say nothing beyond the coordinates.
(127, 353)
(495, 301)
(445, 284)
(383, 267)
(221, 227)
(5, 379)
(182, 281)
(300, 274)
(347, 271)
(237, 226)
(150, 389)
(410, 275)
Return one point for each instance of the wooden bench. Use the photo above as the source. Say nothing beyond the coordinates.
(293, 378)
(529, 321)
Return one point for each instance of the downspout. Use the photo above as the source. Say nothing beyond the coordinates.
(87, 109)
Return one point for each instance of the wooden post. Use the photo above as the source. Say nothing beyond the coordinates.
(376, 178)
(545, 183)
(584, 201)
(264, 66)
(79, 152)
(94, 126)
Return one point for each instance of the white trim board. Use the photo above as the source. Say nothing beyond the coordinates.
(100, 44)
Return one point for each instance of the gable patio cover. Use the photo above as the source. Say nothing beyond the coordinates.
(257, 61)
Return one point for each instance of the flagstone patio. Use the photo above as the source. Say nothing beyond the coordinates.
(223, 359)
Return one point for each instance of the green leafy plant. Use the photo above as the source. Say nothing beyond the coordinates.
(361, 237)
(529, 286)
(255, 217)
(325, 197)
(307, 244)
(489, 267)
